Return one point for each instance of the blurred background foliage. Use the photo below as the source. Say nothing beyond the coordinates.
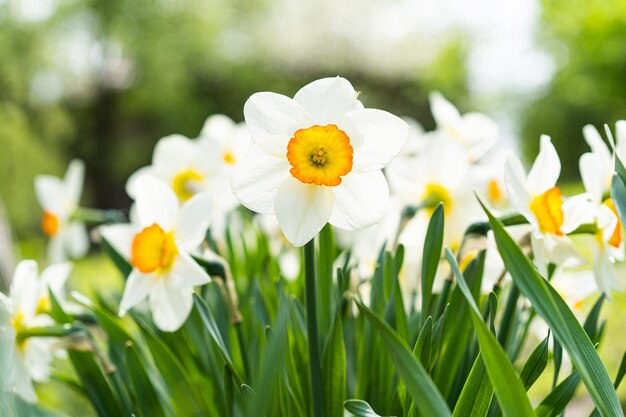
(586, 38)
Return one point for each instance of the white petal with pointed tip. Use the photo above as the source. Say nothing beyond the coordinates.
(50, 191)
(76, 240)
(257, 179)
(444, 112)
(593, 176)
(186, 273)
(325, 100)
(155, 203)
(170, 308)
(514, 180)
(376, 136)
(273, 119)
(74, 178)
(546, 169)
(302, 209)
(360, 200)
(138, 286)
(192, 221)
(120, 237)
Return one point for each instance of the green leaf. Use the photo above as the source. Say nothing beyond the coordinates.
(360, 408)
(560, 319)
(421, 351)
(433, 244)
(92, 377)
(144, 394)
(558, 399)
(214, 332)
(621, 372)
(324, 279)
(618, 194)
(334, 370)
(184, 394)
(536, 364)
(424, 392)
(477, 393)
(509, 389)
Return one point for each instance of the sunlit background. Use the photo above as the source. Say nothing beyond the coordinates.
(103, 80)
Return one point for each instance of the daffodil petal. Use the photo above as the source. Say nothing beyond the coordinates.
(272, 119)
(217, 128)
(577, 210)
(514, 180)
(593, 175)
(596, 143)
(192, 221)
(257, 179)
(170, 308)
(56, 249)
(25, 288)
(302, 209)
(155, 203)
(546, 169)
(376, 135)
(360, 200)
(131, 182)
(23, 385)
(76, 240)
(138, 286)
(50, 191)
(186, 273)
(120, 237)
(325, 100)
(444, 112)
(175, 153)
(55, 276)
(74, 179)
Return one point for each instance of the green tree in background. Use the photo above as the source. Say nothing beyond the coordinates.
(587, 37)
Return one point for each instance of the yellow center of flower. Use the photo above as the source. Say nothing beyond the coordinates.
(44, 305)
(548, 210)
(494, 192)
(185, 184)
(18, 323)
(153, 250)
(436, 193)
(320, 155)
(229, 158)
(49, 223)
(616, 237)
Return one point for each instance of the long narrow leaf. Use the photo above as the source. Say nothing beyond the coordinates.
(560, 319)
(505, 381)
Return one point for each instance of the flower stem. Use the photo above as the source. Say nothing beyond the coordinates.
(311, 313)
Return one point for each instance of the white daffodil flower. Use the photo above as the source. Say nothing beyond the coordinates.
(540, 201)
(317, 159)
(180, 163)
(205, 164)
(60, 198)
(476, 132)
(157, 245)
(23, 361)
(596, 170)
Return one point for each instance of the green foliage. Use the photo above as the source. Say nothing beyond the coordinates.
(589, 85)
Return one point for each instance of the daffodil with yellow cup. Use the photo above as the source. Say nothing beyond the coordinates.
(158, 244)
(317, 159)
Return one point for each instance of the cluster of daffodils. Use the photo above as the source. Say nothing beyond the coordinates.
(25, 351)
(301, 163)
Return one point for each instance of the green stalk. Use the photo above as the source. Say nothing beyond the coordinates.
(311, 315)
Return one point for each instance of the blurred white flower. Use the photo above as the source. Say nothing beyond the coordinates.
(60, 199)
(317, 159)
(23, 361)
(476, 132)
(157, 245)
(607, 246)
(540, 201)
(205, 164)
